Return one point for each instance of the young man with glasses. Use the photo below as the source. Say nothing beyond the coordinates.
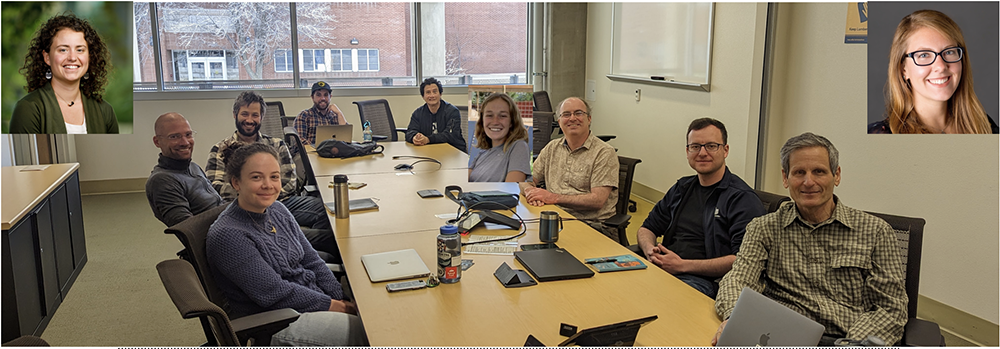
(703, 217)
(177, 188)
(578, 172)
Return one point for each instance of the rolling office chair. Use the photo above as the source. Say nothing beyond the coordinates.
(185, 290)
(620, 221)
(271, 123)
(771, 201)
(303, 167)
(377, 112)
(910, 236)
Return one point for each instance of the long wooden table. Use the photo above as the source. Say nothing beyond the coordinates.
(479, 311)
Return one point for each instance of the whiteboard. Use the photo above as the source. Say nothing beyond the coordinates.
(672, 41)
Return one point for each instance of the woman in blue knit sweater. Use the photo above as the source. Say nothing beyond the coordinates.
(261, 260)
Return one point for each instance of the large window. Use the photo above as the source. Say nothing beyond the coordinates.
(205, 45)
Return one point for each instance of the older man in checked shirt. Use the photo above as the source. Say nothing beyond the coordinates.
(837, 265)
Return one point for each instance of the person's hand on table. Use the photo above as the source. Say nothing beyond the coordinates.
(667, 260)
(539, 197)
(343, 307)
(420, 139)
(715, 339)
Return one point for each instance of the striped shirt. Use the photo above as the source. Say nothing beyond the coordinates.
(216, 169)
(306, 122)
(845, 273)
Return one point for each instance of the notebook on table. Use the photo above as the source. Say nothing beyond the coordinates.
(760, 321)
(338, 132)
(552, 264)
(394, 265)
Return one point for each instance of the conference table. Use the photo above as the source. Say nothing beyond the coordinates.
(479, 310)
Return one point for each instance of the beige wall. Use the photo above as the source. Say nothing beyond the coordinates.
(654, 128)
(133, 156)
(949, 180)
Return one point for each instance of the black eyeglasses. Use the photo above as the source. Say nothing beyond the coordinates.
(711, 147)
(927, 57)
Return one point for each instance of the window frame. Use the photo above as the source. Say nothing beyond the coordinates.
(159, 93)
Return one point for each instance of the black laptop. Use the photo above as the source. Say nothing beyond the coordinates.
(552, 264)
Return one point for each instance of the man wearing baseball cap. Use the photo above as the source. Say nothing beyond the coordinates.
(322, 113)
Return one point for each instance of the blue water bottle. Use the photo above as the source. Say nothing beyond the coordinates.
(367, 131)
(449, 252)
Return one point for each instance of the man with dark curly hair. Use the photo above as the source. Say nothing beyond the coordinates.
(66, 69)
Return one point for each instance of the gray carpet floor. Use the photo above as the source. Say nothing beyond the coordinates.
(118, 299)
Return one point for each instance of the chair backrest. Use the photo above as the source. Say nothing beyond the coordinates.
(626, 172)
(377, 112)
(542, 102)
(910, 236)
(192, 233)
(182, 284)
(770, 201)
(270, 124)
(287, 121)
(542, 130)
(464, 111)
(305, 171)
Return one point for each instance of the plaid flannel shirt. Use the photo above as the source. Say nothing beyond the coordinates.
(845, 273)
(216, 169)
(306, 122)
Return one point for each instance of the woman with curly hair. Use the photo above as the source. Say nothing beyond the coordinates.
(929, 88)
(66, 67)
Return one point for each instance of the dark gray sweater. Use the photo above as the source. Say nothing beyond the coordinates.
(178, 189)
(258, 270)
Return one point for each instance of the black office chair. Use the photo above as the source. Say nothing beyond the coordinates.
(542, 102)
(620, 221)
(26, 341)
(185, 290)
(287, 121)
(271, 123)
(463, 110)
(377, 112)
(541, 132)
(771, 201)
(303, 167)
(910, 235)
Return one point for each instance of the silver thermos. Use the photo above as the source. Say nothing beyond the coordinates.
(341, 200)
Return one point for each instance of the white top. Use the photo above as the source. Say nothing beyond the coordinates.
(76, 129)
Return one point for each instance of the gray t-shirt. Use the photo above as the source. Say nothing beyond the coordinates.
(493, 165)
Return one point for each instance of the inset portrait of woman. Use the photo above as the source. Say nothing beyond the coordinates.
(929, 82)
(66, 69)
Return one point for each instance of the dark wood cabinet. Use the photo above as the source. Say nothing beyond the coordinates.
(44, 246)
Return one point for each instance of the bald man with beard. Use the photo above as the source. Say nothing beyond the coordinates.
(177, 187)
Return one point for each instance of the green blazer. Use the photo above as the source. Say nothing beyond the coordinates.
(39, 113)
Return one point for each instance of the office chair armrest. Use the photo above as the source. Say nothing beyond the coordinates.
(261, 326)
(635, 249)
(401, 130)
(922, 333)
(379, 138)
(618, 220)
(336, 268)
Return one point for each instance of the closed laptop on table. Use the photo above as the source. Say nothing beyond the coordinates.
(394, 265)
(552, 264)
(760, 321)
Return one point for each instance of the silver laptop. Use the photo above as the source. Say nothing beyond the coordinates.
(760, 321)
(338, 132)
(394, 265)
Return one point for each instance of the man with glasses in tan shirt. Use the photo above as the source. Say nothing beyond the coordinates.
(578, 172)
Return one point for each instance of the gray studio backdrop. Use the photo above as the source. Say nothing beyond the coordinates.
(979, 22)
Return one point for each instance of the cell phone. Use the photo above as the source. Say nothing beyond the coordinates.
(405, 285)
(429, 193)
(545, 246)
(354, 185)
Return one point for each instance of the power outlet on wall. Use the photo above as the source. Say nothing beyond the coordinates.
(638, 94)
